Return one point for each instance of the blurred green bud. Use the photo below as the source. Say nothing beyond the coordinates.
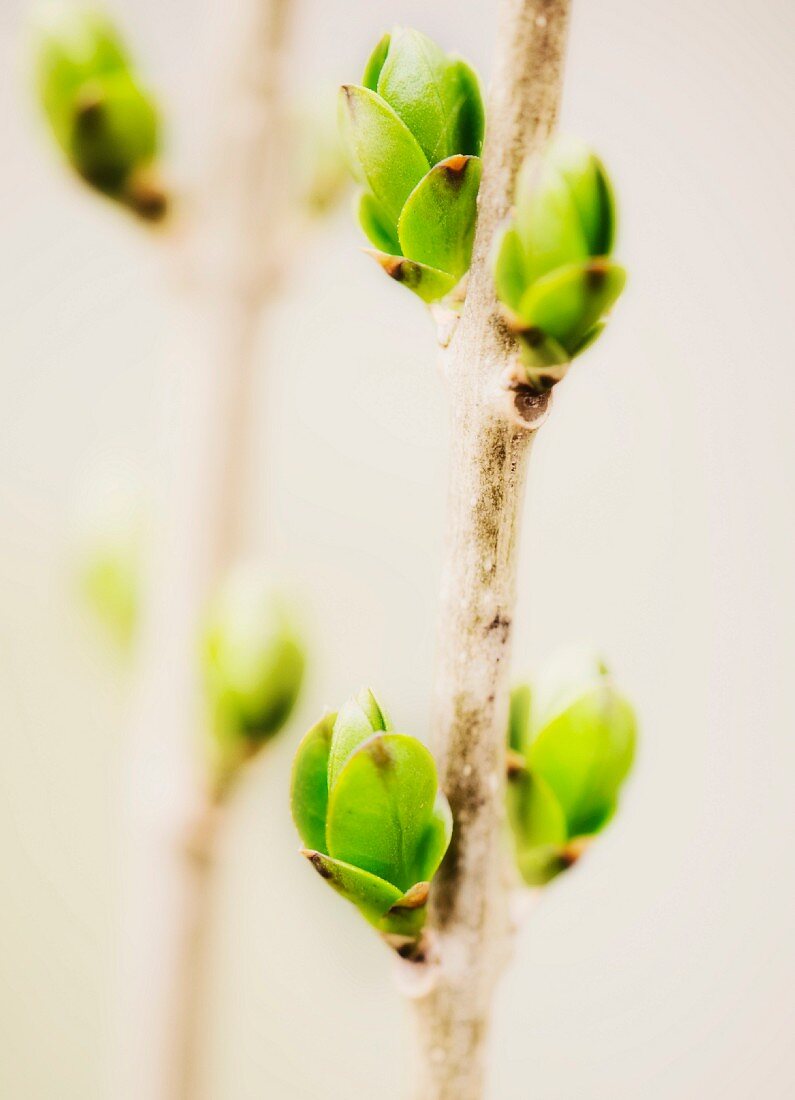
(413, 131)
(108, 543)
(374, 823)
(322, 176)
(253, 664)
(103, 119)
(552, 270)
(572, 741)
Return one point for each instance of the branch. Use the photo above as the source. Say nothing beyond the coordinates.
(230, 250)
(468, 933)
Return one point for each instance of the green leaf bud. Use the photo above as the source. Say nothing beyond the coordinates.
(253, 664)
(413, 131)
(552, 271)
(572, 738)
(374, 823)
(101, 116)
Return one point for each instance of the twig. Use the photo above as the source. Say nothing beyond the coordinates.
(493, 428)
(231, 251)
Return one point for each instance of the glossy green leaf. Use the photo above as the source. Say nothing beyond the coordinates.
(568, 302)
(436, 96)
(437, 225)
(426, 282)
(466, 131)
(584, 753)
(436, 839)
(359, 718)
(370, 894)
(388, 156)
(375, 63)
(378, 226)
(380, 807)
(309, 784)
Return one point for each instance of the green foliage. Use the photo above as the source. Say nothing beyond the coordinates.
(101, 116)
(552, 271)
(373, 821)
(413, 131)
(253, 664)
(572, 737)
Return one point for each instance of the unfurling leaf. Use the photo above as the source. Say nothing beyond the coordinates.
(435, 95)
(437, 223)
(552, 270)
(575, 736)
(414, 131)
(366, 802)
(390, 160)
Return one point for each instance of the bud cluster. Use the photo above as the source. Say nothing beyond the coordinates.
(572, 739)
(552, 271)
(374, 823)
(101, 116)
(413, 131)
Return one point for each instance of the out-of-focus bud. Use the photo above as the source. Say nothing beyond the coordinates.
(322, 176)
(413, 131)
(253, 664)
(552, 270)
(108, 533)
(101, 116)
(572, 740)
(374, 823)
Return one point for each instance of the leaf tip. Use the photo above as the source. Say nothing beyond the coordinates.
(317, 861)
(392, 265)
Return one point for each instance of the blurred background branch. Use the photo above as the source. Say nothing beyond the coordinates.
(230, 240)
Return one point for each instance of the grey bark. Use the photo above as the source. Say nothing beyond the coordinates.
(492, 431)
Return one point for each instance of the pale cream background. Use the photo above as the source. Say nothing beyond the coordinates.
(659, 525)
